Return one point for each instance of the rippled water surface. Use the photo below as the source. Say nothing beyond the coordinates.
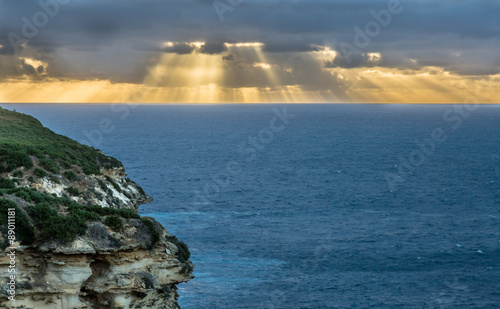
(305, 218)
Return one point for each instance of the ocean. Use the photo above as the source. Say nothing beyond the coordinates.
(314, 206)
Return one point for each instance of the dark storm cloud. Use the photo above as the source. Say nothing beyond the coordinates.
(283, 47)
(179, 48)
(355, 61)
(366, 60)
(213, 48)
(6, 48)
(429, 32)
(16, 67)
(228, 57)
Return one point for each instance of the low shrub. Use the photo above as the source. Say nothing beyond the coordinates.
(50, 165)
(54, 226)
(114, 222)
(155, 236)
(17, 174)
(187, 268)
(38, 172)
(70, 175)
(6, 183)
(24, 230)
(73, 191)
(106, 211)
(183, 252)
(24, 195)
(13, 156)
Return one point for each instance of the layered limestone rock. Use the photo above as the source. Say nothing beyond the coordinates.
(79, 242)
(104, 269)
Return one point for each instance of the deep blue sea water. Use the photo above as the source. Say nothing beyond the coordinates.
(305, 218)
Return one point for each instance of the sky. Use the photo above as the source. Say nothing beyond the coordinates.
(250, 51)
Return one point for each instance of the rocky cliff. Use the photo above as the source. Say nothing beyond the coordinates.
(79, 242)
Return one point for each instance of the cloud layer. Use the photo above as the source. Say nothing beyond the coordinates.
(303, 41)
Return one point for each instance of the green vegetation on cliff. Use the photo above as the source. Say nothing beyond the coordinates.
(25, 231)
(46, 215)
(32, 156)
(23, 137)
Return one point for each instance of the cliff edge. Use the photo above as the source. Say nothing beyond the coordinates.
(70, 235)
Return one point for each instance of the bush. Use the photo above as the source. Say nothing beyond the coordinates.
(54, 226)
(114, 222)
(187, 268)
(31, 195)
(183, 252)
(127, 213)
(155, 236)
(73, 191)
(106, 211)
(50, 165)
(66, 227)
(65, 165)
(24, 195)
(87, 215)
(13, 156)
(24, 230)
(6, 183)
(70, 175)
(17, 174)
(38, 172)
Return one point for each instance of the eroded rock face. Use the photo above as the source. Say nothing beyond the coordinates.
(110, 189)
(79, 242)
(103, 269)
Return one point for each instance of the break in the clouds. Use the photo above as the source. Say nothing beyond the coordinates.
(322, 46)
